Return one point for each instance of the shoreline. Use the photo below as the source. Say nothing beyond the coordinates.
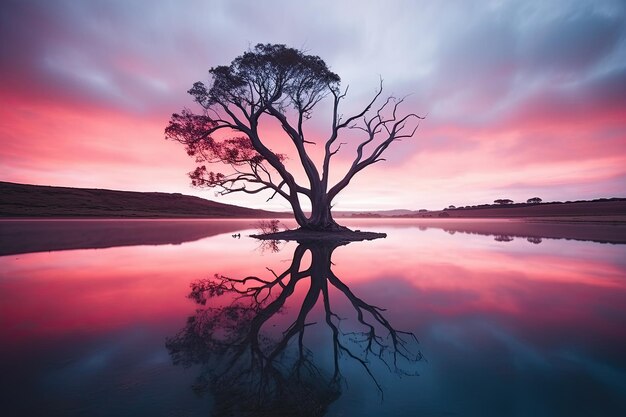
(600, 219)
(25, 235)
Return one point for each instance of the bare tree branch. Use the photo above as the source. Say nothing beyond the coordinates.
(270, 81)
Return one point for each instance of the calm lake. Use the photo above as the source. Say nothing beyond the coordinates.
(156, 317)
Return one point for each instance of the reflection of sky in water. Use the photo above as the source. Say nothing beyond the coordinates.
(506, 328)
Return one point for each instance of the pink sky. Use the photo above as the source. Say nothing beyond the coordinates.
(522, 100)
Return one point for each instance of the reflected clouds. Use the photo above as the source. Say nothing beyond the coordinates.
(496, 321)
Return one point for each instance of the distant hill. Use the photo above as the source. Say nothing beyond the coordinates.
(374, 213)
(600, 207)
(594, 208)
(22, 200)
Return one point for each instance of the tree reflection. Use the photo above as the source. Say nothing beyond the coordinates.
(253, 368)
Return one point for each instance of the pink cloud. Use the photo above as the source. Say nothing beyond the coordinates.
(90, 90)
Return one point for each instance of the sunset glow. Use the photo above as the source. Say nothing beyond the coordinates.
(521, 99)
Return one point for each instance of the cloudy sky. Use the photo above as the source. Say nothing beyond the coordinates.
(522, 99)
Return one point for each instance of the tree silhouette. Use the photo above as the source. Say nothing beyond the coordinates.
(503, 238)
(251, 372)
(274, 82)
(534, 200)
(503, 201)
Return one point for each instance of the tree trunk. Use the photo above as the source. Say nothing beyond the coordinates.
(321, 218)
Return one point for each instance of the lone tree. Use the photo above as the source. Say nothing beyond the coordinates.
(534, 200)
(283, 85)
(503, 201)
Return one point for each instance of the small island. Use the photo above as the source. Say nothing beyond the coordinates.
(302, 236)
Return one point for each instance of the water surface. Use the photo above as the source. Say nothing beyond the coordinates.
(438, 319)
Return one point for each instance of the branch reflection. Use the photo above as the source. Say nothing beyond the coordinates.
(251, 347)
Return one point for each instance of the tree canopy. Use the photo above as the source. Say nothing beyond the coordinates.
(283, 84)
(503, 201)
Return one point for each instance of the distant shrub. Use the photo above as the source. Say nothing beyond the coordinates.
(503, 201)
(269, 226)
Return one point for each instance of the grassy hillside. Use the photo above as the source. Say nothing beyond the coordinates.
(601, 207)
(20, 200)
(593, 210)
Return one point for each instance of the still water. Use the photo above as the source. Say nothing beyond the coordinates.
(181, 318)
